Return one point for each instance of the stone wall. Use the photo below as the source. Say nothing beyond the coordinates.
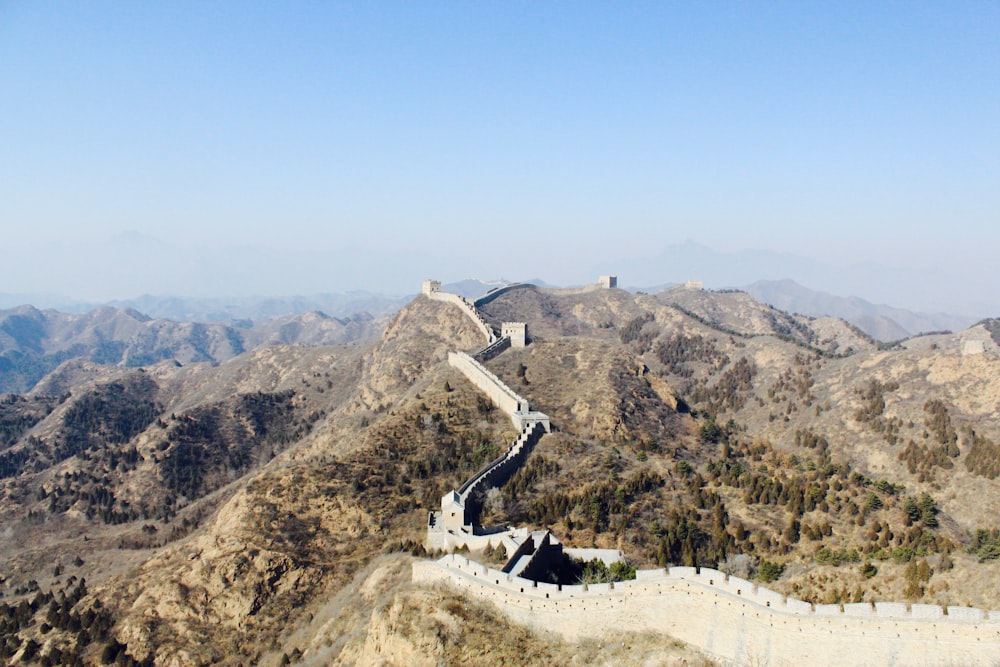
(502, 396)
(492, 350)
(469, 309)
(497, 472)
(494, 293)
(570, 291)
(727, 617)
(733, 619)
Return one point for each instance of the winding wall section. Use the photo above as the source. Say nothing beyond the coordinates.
(494, 293)
(498, 471)
(727, 617)
(469, 309)
(505, 398)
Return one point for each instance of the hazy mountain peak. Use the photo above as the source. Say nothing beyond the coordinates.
(882, 322)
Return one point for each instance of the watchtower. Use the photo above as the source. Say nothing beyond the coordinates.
(607, 282)
(516, 331)
(452, 511)
(431, 286)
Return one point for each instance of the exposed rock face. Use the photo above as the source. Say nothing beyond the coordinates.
(421, 335)
(192, 603)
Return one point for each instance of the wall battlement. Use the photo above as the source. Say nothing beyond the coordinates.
(492, 350)
(498, 471)
(494, 293)
(505, 398)
(733, 619)
(460, 509)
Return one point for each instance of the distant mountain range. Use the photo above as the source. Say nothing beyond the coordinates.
(344, 280)
(881, 322)
(225, 309)
(967, 290)
(34, 342)
(150, 329)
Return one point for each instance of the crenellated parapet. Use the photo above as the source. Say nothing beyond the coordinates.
(492, 350)
(456, 524)
(733, 619)
(460, 509)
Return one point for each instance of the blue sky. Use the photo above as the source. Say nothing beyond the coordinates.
(490, 139)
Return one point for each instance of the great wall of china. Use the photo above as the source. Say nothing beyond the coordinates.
(731, 619)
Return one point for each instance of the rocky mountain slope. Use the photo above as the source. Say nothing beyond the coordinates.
(241, 512)
(34, 342)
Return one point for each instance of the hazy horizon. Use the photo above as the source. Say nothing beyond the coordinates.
(251, 149)
(229, 278)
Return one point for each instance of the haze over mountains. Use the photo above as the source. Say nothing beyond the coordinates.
(257, 282)
(34, 342)
(761, 274)
(967, 289)
(148, 329)
(881, 322)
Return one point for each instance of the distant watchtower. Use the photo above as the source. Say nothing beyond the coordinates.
(694, 284)
(607, 282)
(432, 286)
(516, 331)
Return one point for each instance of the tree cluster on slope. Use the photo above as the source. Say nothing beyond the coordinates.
(678, 351)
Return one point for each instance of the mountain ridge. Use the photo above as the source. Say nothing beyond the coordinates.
(34, 342)
(885, 323)
(225, 505)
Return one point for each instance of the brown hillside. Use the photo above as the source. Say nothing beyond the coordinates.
(236, 513)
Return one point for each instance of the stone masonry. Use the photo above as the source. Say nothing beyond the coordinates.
(457, 522)
(731, 619)
(734, 620)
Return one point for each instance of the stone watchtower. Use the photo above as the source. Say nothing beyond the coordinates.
(452, 511)
(431, 286)
(516, 331)
(607, 282)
